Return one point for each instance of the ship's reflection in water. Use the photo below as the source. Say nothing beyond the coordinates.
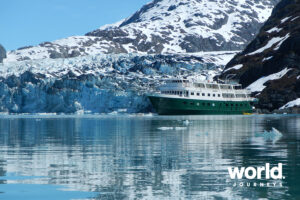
(144, 157)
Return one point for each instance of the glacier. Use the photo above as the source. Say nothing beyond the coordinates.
(103, 83)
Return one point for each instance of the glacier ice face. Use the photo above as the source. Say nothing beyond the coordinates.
(95, 84)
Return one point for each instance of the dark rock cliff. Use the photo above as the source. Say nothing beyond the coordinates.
(2, 53)
(276, 49)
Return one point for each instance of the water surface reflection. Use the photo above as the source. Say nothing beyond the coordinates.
(145, 157)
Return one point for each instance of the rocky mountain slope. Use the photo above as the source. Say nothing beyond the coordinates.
(2, 53)
(165, 26)
(270, 64)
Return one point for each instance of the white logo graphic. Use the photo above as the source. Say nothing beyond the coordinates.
(252, 173)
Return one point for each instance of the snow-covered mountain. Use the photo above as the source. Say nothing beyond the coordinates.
(270, 65)
(165, 26)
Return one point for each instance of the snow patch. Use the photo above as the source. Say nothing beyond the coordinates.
(291, 104)
(275, 29)
(282, 40)
(268, 58)
(270, 43)
(285, 19)
(236, 67)
(259, 86)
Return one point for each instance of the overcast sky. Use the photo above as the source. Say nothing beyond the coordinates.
(30, 22)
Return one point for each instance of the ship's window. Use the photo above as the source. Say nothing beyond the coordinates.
(208, 94)
(184, 103)
(225, 87)
(198, 104)
(227, 104)
(214, 95)
(192, 103)
(240, 96)
(201, 85)
(180, 93)
(215, 86)
(236, 105)
(219, 95)
(231, 104)
(208, 104)
(198, 94)
(241, 105)
(192, 93)
(203, 94)
(237, 87)
(203, 104)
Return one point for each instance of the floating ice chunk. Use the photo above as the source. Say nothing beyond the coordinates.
(165, 128)
(273, 135)
(186, 122)
(178, 128)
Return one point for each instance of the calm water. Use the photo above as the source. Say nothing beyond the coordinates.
(144, 157)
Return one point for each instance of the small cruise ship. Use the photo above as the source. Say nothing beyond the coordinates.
(188, 97)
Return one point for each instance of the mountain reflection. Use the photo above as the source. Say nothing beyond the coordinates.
(121, 157)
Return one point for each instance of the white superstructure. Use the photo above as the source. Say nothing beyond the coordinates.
(202, 90)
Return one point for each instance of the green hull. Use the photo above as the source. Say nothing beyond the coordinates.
(178, 106)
